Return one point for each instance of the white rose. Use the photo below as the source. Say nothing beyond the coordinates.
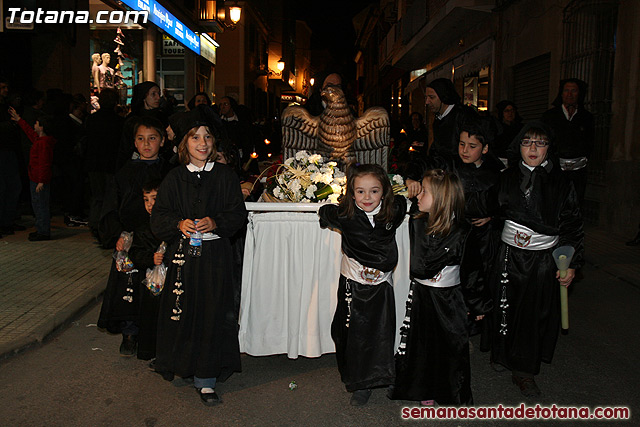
(302, 155)
(337, 189)
(316, 177)
(327, 178)
(295, 185)
(310, 193)
(278, 193)
(315, 158)
(333, 198)
(288, 161)
(397, 179)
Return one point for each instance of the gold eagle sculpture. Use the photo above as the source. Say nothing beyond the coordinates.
(336, 133)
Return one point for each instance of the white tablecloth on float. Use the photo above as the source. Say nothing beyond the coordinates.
(290, 280)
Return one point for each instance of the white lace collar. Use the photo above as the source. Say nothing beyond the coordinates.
(207, 167)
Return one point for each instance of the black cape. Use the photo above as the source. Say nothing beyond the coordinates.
(204, 341)
(532, 292)
(363, 327)
(433, 361)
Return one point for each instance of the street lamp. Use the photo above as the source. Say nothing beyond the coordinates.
(280, 65)
(234, 13)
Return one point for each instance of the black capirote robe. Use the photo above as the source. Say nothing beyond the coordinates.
(364, 348)
(144, 246)
(435, 362)
(123, 210)
(533, 292)
(204, 341)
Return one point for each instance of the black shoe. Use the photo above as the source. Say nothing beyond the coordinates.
(209, 399)
(129, 345)
(360, 397)
(635, 241)
(527, 386)
(37, 237)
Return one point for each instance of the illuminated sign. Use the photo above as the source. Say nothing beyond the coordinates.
(207, 48)
(167, 22)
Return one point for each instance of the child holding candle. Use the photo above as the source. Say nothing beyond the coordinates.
(541, 212)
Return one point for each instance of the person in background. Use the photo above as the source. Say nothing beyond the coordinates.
(40, 165)
(509, 125)
(574, 129)
(10, 185)
(199, 99)
(417, 134)
(103, 130)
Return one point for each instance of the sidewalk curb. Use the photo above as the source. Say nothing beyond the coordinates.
(54, 322)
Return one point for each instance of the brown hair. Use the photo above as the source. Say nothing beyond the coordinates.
(183, 152)
(348, 205)
(448, 201)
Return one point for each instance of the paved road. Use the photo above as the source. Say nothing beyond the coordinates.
(77, 377)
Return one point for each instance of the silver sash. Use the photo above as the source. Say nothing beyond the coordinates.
(573, 164)
(352, 269)
(522, 237)
(446, 278)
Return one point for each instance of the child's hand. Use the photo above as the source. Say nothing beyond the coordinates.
(479, 222)
(187, 227)
(206, 224)
(14, 115)
(39, 187)
(120, 244)
(157, 258)
(571, 273)
(413, 188)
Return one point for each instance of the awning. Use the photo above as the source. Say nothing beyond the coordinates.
(469, 62)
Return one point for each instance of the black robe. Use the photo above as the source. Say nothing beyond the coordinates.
(204, 341)
(532, 291)
(363, 329)
(433, 360)
(144, 246)
(123, 210)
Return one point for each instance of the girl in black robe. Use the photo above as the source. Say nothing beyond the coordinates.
(541, 212)
(197, 328)
(363, 326)
(123, 210)
(432, 362)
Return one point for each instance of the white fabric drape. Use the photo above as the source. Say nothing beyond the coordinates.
(289, 284)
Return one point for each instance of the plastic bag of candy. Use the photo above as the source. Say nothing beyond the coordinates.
(123, 263)
(154, 280)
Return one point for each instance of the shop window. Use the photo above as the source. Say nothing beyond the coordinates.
(476, 90)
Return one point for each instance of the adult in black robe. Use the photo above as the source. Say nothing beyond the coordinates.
(201, 340)
(509, 124)
(574, 129)
(364, 329)
(526, 318)
(433, 360)
(123, 210)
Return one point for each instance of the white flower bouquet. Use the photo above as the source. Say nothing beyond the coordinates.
(305, 178)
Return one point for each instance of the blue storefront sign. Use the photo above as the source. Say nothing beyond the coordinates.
(167, 22)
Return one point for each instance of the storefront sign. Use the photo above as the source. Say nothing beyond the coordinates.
(207, 50)
(167, 22)
(171, 47)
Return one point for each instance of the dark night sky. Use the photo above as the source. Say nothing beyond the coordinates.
(331, 24)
